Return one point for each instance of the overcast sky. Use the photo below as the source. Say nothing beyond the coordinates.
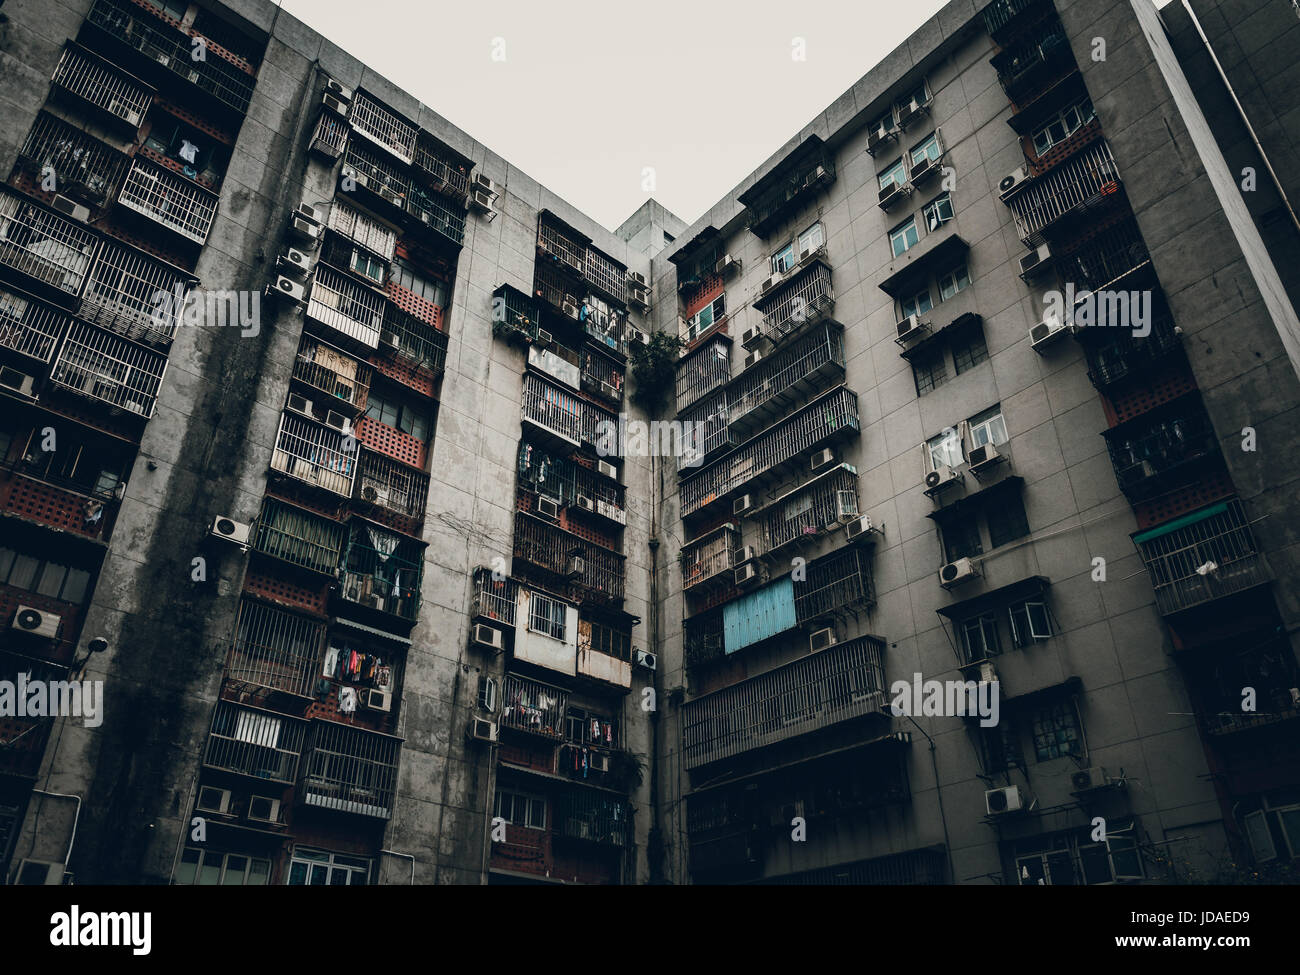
(589, 94)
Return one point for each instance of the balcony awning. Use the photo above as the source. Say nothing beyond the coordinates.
(1048, 103)
(545, 215)
(1071, 685)
(921, 261)
(963, 506)
(1179, 404)
(943, 333)
(810, 147)
(1168, 527)
(373, 631)
(689, 250)
(1024, 589)
(893, 739)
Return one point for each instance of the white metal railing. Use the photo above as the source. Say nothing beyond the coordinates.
(336, 374)
(254, 742)
(314, 453)
(710, 429)
(42, 244)
(835, 583)
(351, 769)
(804, 299)
(331, 135)
(1073, 184)
(787, 371)
(79, 164)
(363, 230)
(702, 372)
(103, 85)
(842, 682)
(384, 127)
(275, 649)
(528, 705)
(392, 485)
(346, 306)
(125, 293)
(550, 548)
(553, 241)
(812, 509)
(30, 327)
(110, 369)
(710, 555)
(562, 413)
(605, 274)
(495, 599)
(169, 199)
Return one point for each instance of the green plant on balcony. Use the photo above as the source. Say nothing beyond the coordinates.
(654, 369)
(627, 770)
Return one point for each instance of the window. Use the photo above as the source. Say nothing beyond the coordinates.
(895, 175)
(1007, 520)
(918, 304)
(1030, 622)
(961, 539)
(929, 148)
(979, 637)
(396, 414)
(209, 868)
(1062, 125)
(1056, 731)
(953, 281)
(988, 427)
(430, 289)
(546, 616)
(784, 259)
(811, 239)
(885, 122)
(317, 868)
(608, 640)
(590, 728)
(705, 318)
(519, 809)
(904, 236)
(930, 372)
(81, 464)
(367, 265)
(1072, 858)
(53, 579)
(945, 449)
(937, 212)
(969, 348)
(919, 96)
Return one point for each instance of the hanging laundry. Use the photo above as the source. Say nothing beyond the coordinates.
(188, 151)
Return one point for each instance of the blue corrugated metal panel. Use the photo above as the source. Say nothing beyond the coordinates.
(759, 615)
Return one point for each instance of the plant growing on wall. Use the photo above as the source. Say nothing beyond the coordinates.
(654, 369)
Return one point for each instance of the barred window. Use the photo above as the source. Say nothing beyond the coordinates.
(546, 616)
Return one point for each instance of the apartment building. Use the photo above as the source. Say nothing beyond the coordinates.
(371, 601)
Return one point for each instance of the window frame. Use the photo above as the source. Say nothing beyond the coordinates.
(549, 624)
(332, 862)
(932, 210)
(915, 304)
(1035, 634)
(987, 421)
(893, 174)
(986, 625)
(224, 856)
(957, 274)
(529, 809)
(1067, 708)
(934, 368)
(946, 439)
(902, 229)
(1083, 120)
(931, 146)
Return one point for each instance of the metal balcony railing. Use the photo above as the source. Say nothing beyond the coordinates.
(783, 195)
(710, 430)
(382, 571)
(494, 599)
(834, 583)
(392, 485)
(29, 326)
(80, 165)
(1111, 255)
(254, 742)
(414, 338)
(331, 135)
(513, 312)
(169, 199)
(552, 549)
(607, 275)
(169, 47)
(552, 288)
(561, 413)
(362, 229)
(1021, 65)
(702, 639)
(431, 211)
(703, 371)
(444, 175)
(276, 650)
(811, 510)
(1148, 456)
(314, 453)
(587, 815)
(1000, 13)
(1208, 555)
(558, 477)
(842, 682)
(376, 173)
(102, 84)
(346, 306)
(601, 377)
(779, 379)
(529, 705)
(298, 537)
(1125, 355)
(383, 127)
(611, 332)
(134, 294)
(350, 769)
(709, 556)
(805, 298)
(831, 417)
(554, 242)
(343, 379)
(109, 369)
(40, 243)
(1083, 181)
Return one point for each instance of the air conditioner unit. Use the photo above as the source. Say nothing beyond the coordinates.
(815, 175)
(300, 404)
(878, 137)
(743, 504)
(821, 639)
(746, 574)
(548, 508)
(725, 265)
(1086, 779)
(335, 104)
(955, 573)
(1035, 260)
(289, 288)
(482, 181)
(577, 567)
(988, 673)
(391, 195)
(390, 339)
(585, 503)
(379, 699)
(891, 194)
(746, 553)
(1013, 181)
(17, 382)
(37, 622)
(639, 296)
(212, 799)
(646, 659)
(923, 168)
(39, 873)
(858, 528)
(752, 358)
(338, 90)
(307, 211)
(997, 802)
(982, 456)
(544, 337)
(607, 469)
(374, 495)
(569, 308)
(1045, 333)
(940, 477)
(909, 111)
(770, 282)
(481, 729)
(294, 261)
(70, 208)
(635, 335)
(637, 278)
(481, 200)
(229, 530)
(752, 336)
(264, 809)
(339, 422)
(823, 458)
(487, 636)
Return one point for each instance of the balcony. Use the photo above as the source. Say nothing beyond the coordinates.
(802, 300)
(602, 377)
(584, 815)
(840, 683)
(1030, 63)
(331, 136)
(555, 291)
(343, 380)
(383, 127)
(378, 177)
(256, 743)
(570, 483)
(1157, 451)
(557, 362)
(392, 486)
(169, 200)
(785, 377)
(30, 327)
(561, 248)
(810, 511)
(829, 419)
(1086, 181)
(381, 571)
(347, 306)
(110, 370)
(349, 769)
(103, 85)
(494, 599)
(414, 339)
(835, 583)
(604, 667)
(710, 431)
(123, 294)
(43, 245)
(431, 211)
(1124, 356)
(161, 44)
(362, 229)
(533, 707)
(607, 331)
(702, 371)
(709, 558)
(275, 650)
(557, 414)
(1202, 557)
(441, 173)
(83, 167)
(1109, 257)
(314, 454)
(551, 549)
(298, 537)
(514, 314)
(605, 275)
(702, 639)
(1002, 14)
(789, 186)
